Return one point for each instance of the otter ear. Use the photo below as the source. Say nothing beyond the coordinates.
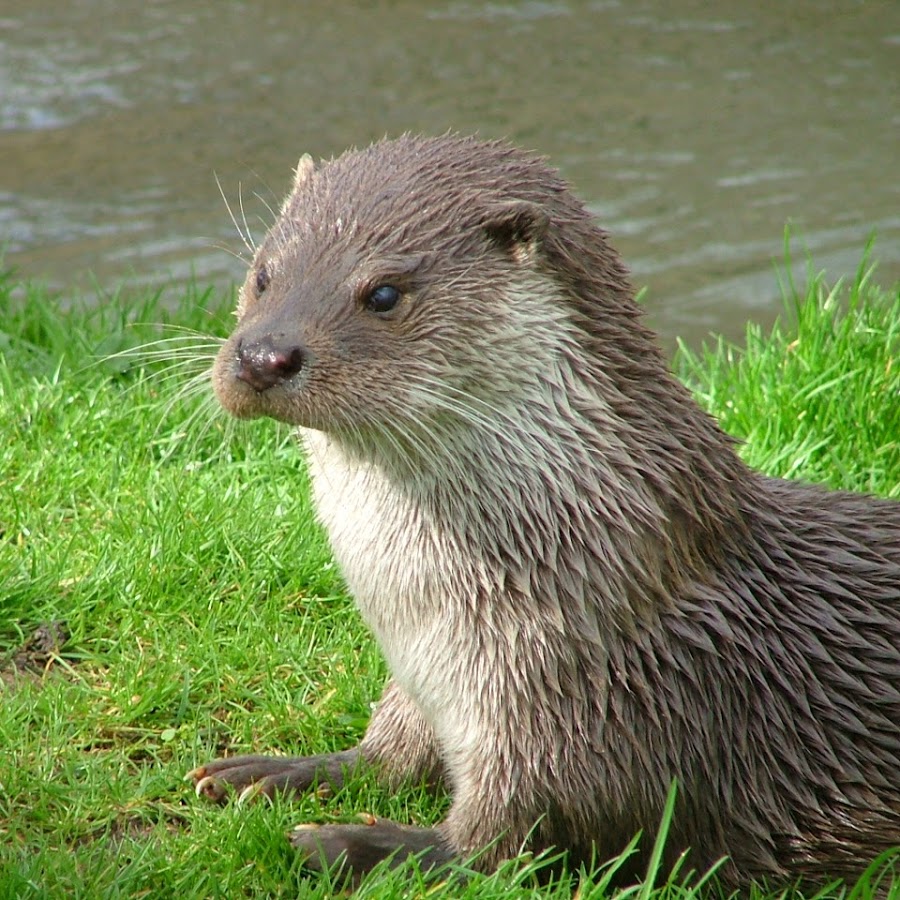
(305, 168)
(517, 228)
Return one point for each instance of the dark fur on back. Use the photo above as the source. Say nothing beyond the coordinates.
(581, 591)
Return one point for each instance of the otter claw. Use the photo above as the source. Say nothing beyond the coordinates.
(195, 775)
(210, 787)
(250, 793)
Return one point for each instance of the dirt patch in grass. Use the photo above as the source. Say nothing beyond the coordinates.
(37, 654)
(135, 826)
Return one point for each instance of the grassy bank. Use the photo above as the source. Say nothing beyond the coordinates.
(165, 594)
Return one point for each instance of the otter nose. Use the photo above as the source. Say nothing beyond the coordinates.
(265, 362)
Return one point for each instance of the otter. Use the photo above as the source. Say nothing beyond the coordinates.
(581, 592)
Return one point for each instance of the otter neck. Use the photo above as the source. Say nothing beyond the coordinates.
(558, 483)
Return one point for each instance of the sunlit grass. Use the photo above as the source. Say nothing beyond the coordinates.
(818, 397)
(203, 609)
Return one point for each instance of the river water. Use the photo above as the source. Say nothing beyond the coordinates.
(695, 131)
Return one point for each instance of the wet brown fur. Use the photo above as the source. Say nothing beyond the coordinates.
(580, 589)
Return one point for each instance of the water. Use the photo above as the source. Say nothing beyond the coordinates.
(694, 131)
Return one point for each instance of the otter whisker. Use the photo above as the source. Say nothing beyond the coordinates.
(491, 424)
(197, 382)
(206, 411)
(245, 238)
(225, 249)
(420, 437)
(268, 206)
(251, 242)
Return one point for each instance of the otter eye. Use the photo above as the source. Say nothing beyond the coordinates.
(262, 279)
(383, 298)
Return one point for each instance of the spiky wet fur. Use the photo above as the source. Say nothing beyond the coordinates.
(579, 588)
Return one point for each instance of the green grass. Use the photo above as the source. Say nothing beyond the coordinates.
(204, 611)
(818, 397)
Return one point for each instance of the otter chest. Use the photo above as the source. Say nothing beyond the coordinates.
(409, 580)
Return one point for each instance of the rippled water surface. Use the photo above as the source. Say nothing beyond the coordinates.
(695, 131)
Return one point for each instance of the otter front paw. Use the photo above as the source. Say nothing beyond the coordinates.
(251, 775)
(353, 850)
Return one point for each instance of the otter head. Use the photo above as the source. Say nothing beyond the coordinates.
(447, 309)
(401, 284)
